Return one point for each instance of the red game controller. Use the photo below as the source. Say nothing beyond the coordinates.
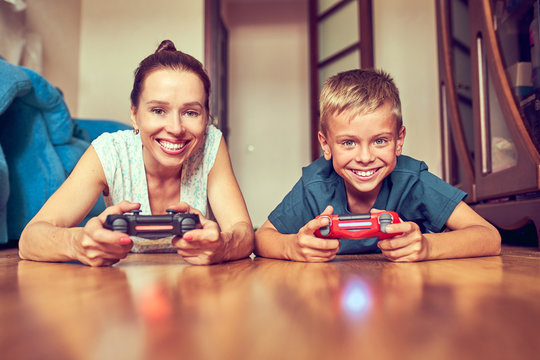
(153, 226)
(359, 226)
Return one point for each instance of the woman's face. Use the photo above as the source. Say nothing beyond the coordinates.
(171, 118)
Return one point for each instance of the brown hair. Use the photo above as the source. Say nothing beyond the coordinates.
(362, 91)
(166, 56)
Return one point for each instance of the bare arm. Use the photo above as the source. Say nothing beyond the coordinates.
(470, 235)
(52, 234)
(232, 236)
(229, 207)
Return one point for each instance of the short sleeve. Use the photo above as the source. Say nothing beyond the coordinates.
(120, 154)
(434, 200)
(289, 216)
(419, 196)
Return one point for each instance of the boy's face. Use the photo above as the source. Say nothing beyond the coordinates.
(363, 149)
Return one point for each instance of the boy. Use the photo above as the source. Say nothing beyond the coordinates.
(362, 169)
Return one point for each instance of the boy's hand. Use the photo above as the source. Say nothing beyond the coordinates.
(310, 248)
(409, 246)
(200, 246)
(98, 246)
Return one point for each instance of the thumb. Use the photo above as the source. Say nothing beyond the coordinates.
(120, 208)
(328, 211)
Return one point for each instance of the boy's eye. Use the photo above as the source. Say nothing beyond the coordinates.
(348, 143)
(380, 141)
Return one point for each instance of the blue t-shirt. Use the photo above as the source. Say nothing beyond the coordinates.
(410, 190)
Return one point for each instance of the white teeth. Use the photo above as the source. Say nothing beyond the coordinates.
(364, 173)
(171, 146)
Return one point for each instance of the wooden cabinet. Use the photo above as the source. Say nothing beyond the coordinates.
(490, 106)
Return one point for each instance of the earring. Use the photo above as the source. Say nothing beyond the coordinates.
(135, 131)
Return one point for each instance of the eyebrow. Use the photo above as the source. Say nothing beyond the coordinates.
(355, 136)
(159, 102)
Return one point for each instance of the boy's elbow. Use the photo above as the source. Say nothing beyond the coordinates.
(495, 240)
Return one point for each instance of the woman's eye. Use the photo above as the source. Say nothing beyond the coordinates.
(191, 113)
(158, 111)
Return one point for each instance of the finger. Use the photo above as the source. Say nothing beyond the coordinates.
(315, 224)
(409, 253)
(120, 208)
(317, 255)
(316, 243)
(184, 208)
(401, 228)
(102, 237)
(328, 210)
(205, 237)
(193, 252)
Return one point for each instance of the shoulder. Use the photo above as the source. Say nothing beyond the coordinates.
(213, 135)
(119, 146)
(321, 186)
(318, 187)
(121, 138)
(420, 196)
(408, 165)
(212, 130)
(411, 173)
(319, 171)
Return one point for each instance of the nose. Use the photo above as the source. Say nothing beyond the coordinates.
(364, 155)
(175, 125)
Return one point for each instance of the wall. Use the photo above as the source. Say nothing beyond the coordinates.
(405, 42)
(57, 23)
(269, 99)
(117, 35)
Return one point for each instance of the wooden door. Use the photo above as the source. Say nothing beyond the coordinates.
(340, 39)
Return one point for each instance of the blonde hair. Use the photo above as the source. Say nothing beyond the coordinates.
(361, 91)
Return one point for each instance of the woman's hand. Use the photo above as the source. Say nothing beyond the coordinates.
(202, 246)
(97, 246)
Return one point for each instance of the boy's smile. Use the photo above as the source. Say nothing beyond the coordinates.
(364, 150)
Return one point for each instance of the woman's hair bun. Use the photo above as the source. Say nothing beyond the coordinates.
(166, 45)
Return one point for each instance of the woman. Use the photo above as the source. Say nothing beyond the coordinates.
(173, 159)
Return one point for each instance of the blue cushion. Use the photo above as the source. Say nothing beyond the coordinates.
(4, 195)
(14, 83)
(41, 145)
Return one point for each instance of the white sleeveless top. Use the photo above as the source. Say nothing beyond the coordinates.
(121, 157)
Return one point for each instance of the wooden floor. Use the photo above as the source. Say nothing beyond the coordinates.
(154, 306)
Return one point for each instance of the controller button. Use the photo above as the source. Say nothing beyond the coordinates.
(384, 220)
(120, 225)
(325, 230)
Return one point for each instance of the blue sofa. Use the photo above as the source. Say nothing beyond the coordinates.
(40, 143)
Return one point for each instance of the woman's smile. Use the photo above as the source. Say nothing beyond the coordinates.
(174, 147)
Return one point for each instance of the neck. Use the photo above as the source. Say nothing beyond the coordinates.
(361, 202)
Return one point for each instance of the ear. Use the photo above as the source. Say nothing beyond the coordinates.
(400, 140)
(133, 117)
(327, 152)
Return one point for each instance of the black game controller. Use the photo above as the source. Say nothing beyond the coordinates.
(153, 226)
